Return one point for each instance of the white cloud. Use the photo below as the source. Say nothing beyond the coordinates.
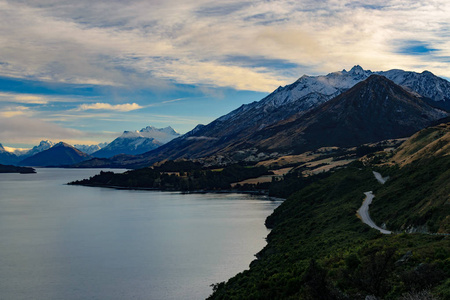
(106, 106)
(23, 98)
(15, 111)
(30, 131)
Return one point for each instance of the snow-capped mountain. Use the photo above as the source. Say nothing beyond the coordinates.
(425, 84)
(43, 145)
(310, 91)
(89, 149)
(232, 131)
(13, 156)
(373, 110)
(137, 142)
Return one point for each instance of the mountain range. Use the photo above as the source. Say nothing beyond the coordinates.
(89, 149)
(137, 142)
(130, 142)
(246, 132)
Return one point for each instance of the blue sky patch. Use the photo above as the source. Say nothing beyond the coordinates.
(415, 48)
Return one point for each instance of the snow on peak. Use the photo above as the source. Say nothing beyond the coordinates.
(89, 149)
(167, 130)
(358, 70)
(131, 134)
(162, 135)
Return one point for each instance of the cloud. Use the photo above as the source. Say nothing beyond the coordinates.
(23, 98)
(158, 43)
(173, 100)
(106, 106)
(22, 129)
(15, 111)
(30, 131)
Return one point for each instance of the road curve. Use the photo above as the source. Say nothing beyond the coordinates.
(380, 178)
(363, 213)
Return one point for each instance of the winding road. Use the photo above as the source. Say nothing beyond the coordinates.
(363, 211)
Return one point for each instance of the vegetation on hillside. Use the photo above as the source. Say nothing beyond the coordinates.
(180, 176)
(319, 249)
(416, 197)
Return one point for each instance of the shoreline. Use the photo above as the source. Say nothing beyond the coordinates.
(231, 191)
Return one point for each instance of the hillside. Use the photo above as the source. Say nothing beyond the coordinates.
(319, 249)
(432, 141)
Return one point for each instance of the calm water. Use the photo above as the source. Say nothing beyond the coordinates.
(72, 242)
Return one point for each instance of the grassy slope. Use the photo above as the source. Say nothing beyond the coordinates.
(429, 142)
(318, 249)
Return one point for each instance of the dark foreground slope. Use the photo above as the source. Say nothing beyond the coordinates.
(319, 249)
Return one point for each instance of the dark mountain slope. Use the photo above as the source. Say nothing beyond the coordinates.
(58, 155)
(373, 110)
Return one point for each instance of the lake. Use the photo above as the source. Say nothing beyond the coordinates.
(75, 242)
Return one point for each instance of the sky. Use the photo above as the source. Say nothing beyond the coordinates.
(84, 71)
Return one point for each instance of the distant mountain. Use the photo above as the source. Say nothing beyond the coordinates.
(58, 155)
(223, 134)
(6, 157)
(89, 149)
(16, 151)
(43, 145)
(137, 142)
(425, 84)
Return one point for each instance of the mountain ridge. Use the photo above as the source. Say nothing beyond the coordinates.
(308, 92)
